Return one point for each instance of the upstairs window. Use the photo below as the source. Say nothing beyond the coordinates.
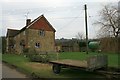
(42, 32)
(37, 45)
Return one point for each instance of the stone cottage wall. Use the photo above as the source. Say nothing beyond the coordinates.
(47, 42)
(18, 38)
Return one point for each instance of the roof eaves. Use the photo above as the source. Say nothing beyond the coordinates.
(11, 31)
(49, 24)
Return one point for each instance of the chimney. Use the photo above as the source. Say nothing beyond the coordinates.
(28, 21)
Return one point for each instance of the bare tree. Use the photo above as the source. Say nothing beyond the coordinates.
(80, 36)
(109, 20)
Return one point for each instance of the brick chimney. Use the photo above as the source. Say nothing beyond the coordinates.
(28, 21)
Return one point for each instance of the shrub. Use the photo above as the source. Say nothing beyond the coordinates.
(39, 58)
(25, 50)
(43, 57)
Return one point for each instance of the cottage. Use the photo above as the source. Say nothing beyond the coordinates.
(38, 35)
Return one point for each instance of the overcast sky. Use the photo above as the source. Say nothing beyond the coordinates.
(66, 16)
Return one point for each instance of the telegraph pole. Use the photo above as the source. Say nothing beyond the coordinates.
(86, 29)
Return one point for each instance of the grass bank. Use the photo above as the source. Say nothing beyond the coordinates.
(0, 56)
(45, 70)
(112, 57)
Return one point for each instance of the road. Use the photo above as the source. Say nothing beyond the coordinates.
(9, 72)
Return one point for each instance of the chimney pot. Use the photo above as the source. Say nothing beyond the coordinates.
(28, 21)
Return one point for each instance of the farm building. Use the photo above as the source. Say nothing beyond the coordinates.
(38, 35)
(67, 45)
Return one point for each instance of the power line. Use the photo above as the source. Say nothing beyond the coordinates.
(60, 17)
(66, 17)
(51, 18)
(69, 23)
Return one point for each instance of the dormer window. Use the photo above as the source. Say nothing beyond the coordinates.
(42, 32)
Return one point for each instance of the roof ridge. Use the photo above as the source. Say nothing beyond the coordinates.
(12, 29)
(34, 21)
(31, 23)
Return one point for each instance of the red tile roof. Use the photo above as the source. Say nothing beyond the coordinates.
(39, 23)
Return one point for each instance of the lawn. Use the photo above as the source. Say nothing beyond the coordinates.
(0, 56)
(112, 57)
(45, 70)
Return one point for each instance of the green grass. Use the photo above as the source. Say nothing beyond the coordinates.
(45, 70)
(112, 57)
(113, 60)
(17, 60)
(0, 56)
(14, 59)
(75, 55)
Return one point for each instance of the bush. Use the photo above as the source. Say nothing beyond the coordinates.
(44, 58)
(25, 50)
(35, 56)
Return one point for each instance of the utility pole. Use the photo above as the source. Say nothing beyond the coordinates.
(86, 29)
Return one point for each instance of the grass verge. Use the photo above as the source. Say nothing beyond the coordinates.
(112, 57)
(44, 70)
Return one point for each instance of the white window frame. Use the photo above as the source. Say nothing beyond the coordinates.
(37, 45)
(42, 32)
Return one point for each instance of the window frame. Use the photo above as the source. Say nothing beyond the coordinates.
(42, 32)
(37, 45)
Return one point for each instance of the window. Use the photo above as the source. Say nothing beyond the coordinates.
(37, 45)
(42, 32)
(12, 46)
(22, 42)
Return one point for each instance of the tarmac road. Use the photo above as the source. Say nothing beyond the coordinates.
(10, 72)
